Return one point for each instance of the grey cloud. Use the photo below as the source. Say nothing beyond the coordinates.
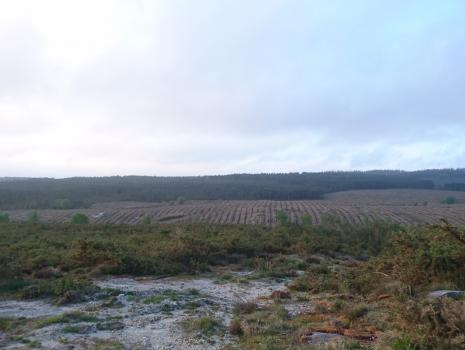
(207, 86)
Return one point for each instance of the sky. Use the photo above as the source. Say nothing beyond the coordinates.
(183, 87)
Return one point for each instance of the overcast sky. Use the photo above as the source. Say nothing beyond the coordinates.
(184, 87)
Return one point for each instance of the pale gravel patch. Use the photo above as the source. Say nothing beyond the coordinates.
(146, 326)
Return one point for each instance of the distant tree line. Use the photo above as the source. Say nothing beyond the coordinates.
(455, 186)
(82, 192)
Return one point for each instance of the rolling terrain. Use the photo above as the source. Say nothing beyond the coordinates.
(83, 192)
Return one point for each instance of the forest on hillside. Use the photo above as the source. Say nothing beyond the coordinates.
(80, 192)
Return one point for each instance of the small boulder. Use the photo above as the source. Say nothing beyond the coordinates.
(454, 294)
(359, 335)
(322, 339)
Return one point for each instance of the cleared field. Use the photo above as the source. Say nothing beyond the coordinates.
(402, 206)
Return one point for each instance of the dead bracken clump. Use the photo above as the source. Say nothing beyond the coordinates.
(442, 322)
(235, 327)
(280, 294)
(206, 325)
(445, 318)
(246, 307)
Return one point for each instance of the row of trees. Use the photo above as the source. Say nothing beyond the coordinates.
(81, 192)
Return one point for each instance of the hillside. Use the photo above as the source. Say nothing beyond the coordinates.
(83, 192)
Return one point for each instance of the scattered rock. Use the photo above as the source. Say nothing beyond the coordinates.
(323, 338)
(454, 294)
(3, 337)
(137, 324)
(308, 336)
(112, 325)
(359, 335)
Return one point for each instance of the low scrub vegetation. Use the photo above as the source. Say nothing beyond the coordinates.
(367, 281)
(4, 218)
(206, 325)
(77, 250)
(79, 219)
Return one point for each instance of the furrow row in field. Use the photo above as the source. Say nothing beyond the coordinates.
(255, 212)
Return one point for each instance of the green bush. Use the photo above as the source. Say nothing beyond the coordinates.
(79, 219)
(206, 325)
(420, 256)
(403, 343)
(449, 200)
(63, 290)
(357, 312)
(33, 217)
(306, 219)
(4, 218)
(282, 218)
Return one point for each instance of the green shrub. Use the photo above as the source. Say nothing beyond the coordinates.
(319, 279)
(282, 217)
(420, 256)
(79, 219)
(64, 290)
(72, 317)
(306, 219)
(357, 312)
(449, 200)
(4, 218)
(12, 286)
(33, 218)
(403, 343)
(338, 305)
(206, 325)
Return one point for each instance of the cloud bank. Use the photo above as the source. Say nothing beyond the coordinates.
(181, 87)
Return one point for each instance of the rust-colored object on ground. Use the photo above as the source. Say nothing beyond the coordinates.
(327, 329)
(383, 296)
(365, 335)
